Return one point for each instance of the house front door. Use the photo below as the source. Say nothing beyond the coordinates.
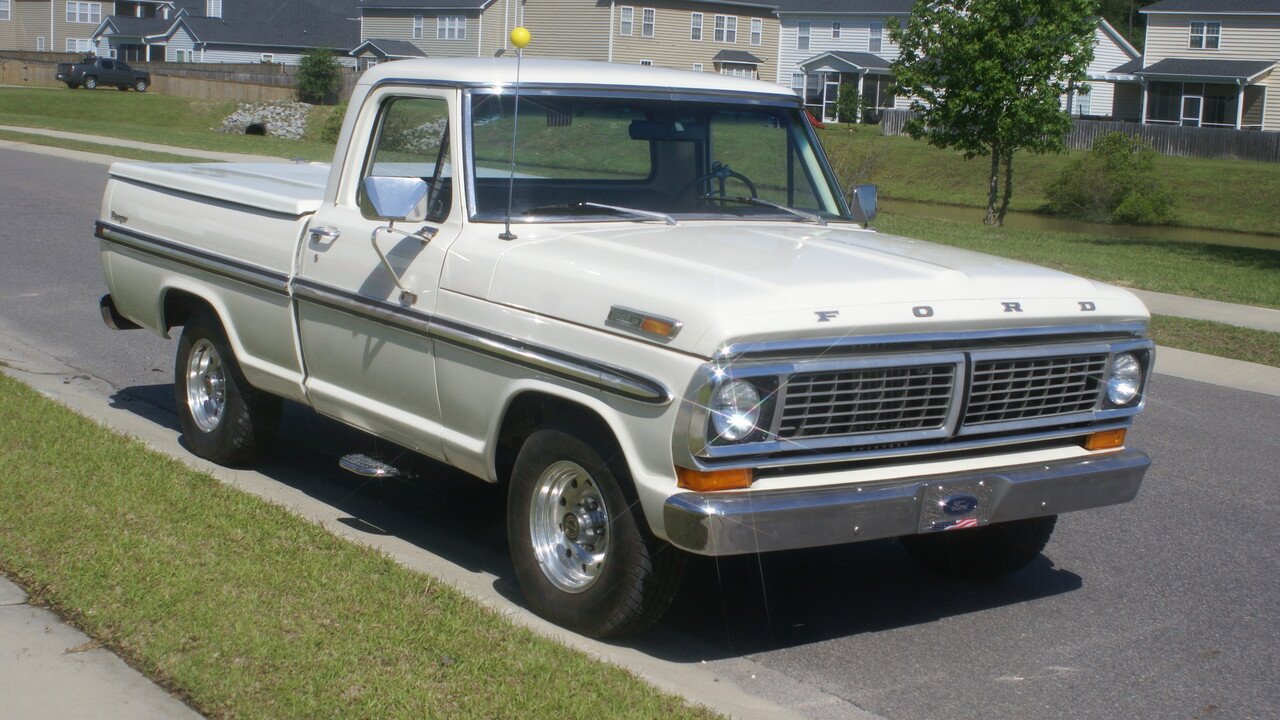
(1192, 107)
(830, 93)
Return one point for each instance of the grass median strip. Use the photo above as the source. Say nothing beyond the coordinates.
(250, 612)
(124, 153)
(1216, 272)
(1213, 338)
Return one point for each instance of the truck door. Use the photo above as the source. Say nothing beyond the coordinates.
(361, 321)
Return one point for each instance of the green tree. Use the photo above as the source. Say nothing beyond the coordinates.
(986, 77)
(319, 77)
(849, 104)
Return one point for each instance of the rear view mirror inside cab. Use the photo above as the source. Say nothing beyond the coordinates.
(667, 130)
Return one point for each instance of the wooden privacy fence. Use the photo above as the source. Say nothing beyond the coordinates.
(207, 81)
(1165, 139)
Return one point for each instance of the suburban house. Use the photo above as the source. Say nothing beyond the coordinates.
(1098, 98)
(380, 50)
(1207, 63)
(733, 37)
(828, 43)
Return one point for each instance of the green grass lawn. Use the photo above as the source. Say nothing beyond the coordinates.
(247, 611)
(1218, 339)
(149, 117)
(120, 152)
(1216, 194)
(1232, 274)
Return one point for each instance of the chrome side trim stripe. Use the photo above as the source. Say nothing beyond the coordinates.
(248, 273)
(552, 362)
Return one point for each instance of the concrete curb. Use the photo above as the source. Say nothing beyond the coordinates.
(1214, 370)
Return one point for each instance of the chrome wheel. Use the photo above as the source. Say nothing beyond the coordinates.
(206, 385)
(567, 524)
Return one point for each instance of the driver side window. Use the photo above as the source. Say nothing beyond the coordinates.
(412, 140)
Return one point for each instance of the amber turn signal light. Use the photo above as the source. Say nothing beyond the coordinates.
(658, 327)
(1105, 440)
(714, 480)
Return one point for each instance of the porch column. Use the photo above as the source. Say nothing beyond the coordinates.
(1142, 120)
(861, 75)
(1239, 103)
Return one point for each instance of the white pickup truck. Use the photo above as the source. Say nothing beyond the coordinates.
(643, 303)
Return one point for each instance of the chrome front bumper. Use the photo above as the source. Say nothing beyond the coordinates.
(748, 522)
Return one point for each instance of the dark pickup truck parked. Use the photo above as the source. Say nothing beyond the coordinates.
(93, 71)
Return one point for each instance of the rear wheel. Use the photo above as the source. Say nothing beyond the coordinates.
(122, 88)
(984, 552)
(140, 85)
(223, 418)
(583, 555)
(91, 83)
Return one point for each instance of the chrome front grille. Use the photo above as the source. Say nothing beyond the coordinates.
(867, 401)
(1005, 390)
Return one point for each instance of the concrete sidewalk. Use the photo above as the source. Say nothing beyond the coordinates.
(1245, 316)
(49, 670)
(138, 145)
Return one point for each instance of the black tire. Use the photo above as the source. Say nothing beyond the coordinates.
(985, 552)
(640, 574)
(122, 88)
(248, 418)
(90, 83)
(72, 85)
(141, 85)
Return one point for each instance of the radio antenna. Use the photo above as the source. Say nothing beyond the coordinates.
(520, 38)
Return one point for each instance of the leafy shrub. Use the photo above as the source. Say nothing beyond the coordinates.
(849, 104)
(333, 124)
(319, 77)
(856, 164)
(1115, 182)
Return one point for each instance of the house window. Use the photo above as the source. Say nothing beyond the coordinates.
(727, 28)
(695, 26)
(797, 83)
(268, 57)
(647, 63)
(1205, 35)
(875, 37)
(697, 67)
(84, 12)
(835, 31)
(213, 8)
(802, 36)
(40, 44)
(647, 18)
(741, 71)
(417, 27)
(757, 31)
(4, 9)
(75, 45)
(1080, 105)
(626, 20)
(451, 27)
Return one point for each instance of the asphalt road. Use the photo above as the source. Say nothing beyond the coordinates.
(1168, 607)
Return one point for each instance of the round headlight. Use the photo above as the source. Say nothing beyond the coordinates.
(1125, 379)
(735, 410)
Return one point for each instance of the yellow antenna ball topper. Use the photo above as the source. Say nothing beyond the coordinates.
(520, 38)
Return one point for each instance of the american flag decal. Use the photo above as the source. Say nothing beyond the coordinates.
(955, 524)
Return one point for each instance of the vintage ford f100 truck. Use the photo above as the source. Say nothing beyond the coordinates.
(639, 298)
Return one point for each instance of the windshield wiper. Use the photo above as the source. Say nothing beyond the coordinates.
(765, 203)
(632, 211)
(643, 214)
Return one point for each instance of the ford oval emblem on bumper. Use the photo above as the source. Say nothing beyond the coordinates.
(959, 504)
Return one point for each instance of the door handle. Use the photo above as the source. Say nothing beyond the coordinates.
(323, 234)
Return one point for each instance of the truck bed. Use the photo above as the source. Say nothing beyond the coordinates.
(285, 188)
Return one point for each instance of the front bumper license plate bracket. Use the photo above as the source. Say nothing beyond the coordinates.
(955, 504)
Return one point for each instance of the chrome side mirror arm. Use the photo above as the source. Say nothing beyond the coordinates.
(425, 234)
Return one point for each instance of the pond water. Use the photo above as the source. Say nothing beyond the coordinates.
(1034, 221)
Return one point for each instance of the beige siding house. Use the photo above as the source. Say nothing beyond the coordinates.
(725, 37)
(1211, 63)
(28, 25)
(51, 25)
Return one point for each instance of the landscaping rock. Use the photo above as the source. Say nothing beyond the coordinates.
(280, 119)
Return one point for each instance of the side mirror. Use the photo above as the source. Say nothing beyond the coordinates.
(865, 203)
(397, 198)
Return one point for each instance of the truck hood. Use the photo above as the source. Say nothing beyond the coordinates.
(753, 281)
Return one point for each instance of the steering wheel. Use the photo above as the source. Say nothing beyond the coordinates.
(721, 172)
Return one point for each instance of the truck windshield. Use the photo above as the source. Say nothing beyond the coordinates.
(595, 158)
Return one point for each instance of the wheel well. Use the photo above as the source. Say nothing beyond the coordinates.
(179, 305)
(533, 410)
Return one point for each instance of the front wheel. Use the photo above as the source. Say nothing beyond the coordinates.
(72, 85)
(583, 555)
(985, 552)
(91, 83)
(223, 418)
(140, 85)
